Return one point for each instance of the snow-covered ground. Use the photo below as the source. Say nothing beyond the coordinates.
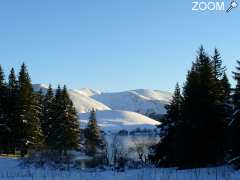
(10, 170)
(114, 121)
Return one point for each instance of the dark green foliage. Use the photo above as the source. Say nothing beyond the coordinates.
(47, 115)
(64, 129)
(164, 152)
(70, 118)
(198, 138)
(203, 125)
(234, 124)
(226, 87)
(12, 109)
(236, 94)
(94, 139)
(30, 134)
(4, 129)
(219, 70)
(30, 120)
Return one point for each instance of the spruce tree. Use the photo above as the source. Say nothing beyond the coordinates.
(54, 126)
(47, 118)
(94, 141)
(164, 152)
(219, 69)
(199, 136)
(233, 126)
(13, 119)
(226, 87)
(4, 129)
(71, 133)
(64, 134)
(30, 134)
(236, 93)
(202, 114)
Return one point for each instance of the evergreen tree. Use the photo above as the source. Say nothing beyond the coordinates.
(236, 94)
(54, 126)
(4, 129)
(234, 124)
(70, 118)
(202, 114)
(65, 132)
(226, 87)
(47, 118)
(13, 97)
(164, 152)
(219, 70)
(30, 134)
(94, 141)
(2, 96)
(199, 136)
(38, 115)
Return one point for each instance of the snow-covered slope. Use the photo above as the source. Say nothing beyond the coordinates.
(84, 103)
(88, 92)
(142, 101)
(114, 121)
(81, 98)
(154, 94)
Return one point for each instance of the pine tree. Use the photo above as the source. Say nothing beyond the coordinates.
(30, 134)
(94, 141)
(47, 118)
(219, 70)
(13, 97)
(54, 126)
(65, 132)
(2, 96)
(233, 126)
(226, 87)
(4, 129)
(174, 109)
(236, 94)
(202, 114)
(70, 118)
(164, 152)
(199, 137)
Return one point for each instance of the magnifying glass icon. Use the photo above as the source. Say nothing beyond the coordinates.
(233, 5)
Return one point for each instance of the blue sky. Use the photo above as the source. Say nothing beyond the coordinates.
(112, 45)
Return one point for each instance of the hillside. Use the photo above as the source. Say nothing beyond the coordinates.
(114, 121)
(142, 101)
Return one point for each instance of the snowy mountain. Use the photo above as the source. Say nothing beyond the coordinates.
(85, 103)
(118, 111)
(142, 101)
(81, 98)
(114, 121)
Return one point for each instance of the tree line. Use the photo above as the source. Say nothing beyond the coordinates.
(202, 125)
(36, 121)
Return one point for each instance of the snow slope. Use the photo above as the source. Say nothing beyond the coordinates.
(88, 92)
(142, 101)
(84, 103)
(114, 121)
(81, 98)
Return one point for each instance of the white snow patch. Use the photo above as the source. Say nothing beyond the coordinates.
(114, 121)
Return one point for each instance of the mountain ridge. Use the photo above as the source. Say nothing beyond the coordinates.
(143, 101)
